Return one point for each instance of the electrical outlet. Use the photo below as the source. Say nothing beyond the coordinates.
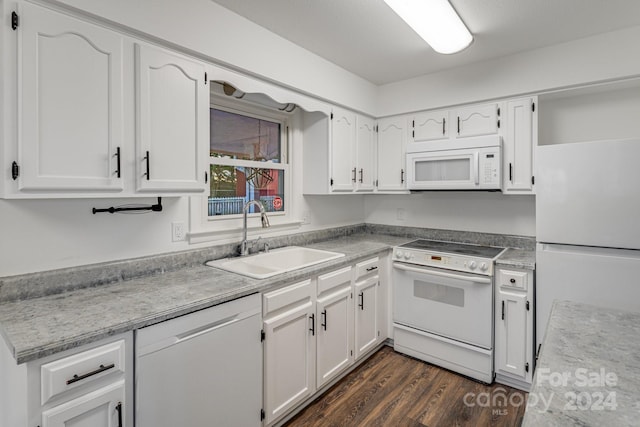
(177, 231)
(400, 214)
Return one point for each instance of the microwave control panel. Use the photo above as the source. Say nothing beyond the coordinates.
(490, 166)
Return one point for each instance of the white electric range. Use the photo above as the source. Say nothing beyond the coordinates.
(443, 305)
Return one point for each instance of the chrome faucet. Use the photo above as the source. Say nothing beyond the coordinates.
(244, 245)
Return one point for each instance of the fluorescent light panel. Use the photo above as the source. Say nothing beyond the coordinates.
(436, 22)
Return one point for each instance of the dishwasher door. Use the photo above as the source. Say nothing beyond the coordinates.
(201, 369)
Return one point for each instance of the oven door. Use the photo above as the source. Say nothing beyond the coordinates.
(450, 304)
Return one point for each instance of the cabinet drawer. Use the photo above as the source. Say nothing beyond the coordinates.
(283, 297)
(512, 279)
(367, 267)
(336, 278)
(81, 369)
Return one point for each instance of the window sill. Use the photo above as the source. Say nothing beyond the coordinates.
(234, 234)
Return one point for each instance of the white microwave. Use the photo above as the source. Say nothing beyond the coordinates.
(462, 164)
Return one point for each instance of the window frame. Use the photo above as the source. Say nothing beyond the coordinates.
(203, 225)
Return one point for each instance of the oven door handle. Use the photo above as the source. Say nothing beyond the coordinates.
(474, 278)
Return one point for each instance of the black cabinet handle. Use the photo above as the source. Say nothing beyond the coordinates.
(401, 176)
(206, 177)
(510, 172)
(324, 319)
(117, 156)
(372, 268)
(361, 174)
(502, 309)
(354, 175)
(102, 368)
(119, 409)
(458, 125)
(313, 324)
(513, 280)
(147, 160)
(361, 304)
(444, 121)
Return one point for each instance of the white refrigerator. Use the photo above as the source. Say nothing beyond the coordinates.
(587, 226)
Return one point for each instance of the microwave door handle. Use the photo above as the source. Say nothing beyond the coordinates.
(476, 168)
(474, 278)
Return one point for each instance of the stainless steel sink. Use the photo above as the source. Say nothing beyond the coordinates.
(277, 261)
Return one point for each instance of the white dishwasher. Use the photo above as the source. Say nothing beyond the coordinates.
(202, 369)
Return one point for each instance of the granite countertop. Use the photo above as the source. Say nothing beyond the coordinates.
(37, 327)
(517, 258)
(588, 372)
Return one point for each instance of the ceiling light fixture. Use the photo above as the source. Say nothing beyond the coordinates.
(436, 22)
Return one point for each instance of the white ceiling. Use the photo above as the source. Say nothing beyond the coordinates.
(368, 39)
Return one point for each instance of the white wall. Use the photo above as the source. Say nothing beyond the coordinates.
(608, 56)
(600, 114)
(466, 211)
(215, 33)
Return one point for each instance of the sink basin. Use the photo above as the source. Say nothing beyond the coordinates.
(277, 261)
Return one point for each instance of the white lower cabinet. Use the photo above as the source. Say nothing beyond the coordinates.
(88, 386)
(366, 315)
(289, 358)
(334, 308)
(101, 408)
(311, 329)
(514, 338)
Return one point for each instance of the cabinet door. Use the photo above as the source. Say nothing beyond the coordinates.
(366, 315)
(518, 147)
(335, 321)
(289, 354)
(365, 154)
(391, 154)
(511, 333)
(101, 408)
(478, 120)
(430, 126)
(172, 126)
(343, 136)
(71, 113)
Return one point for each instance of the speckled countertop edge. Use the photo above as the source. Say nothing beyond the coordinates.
(36, 327)
(588, 372)
(39, 327)
(517, 258)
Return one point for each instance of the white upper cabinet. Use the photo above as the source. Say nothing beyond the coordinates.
(70, 116)
(343, 137)
(365, 154)
(172, 126)
(518, 146)
(476, 120)
(84, 104)
(392, 142)
(430, 125)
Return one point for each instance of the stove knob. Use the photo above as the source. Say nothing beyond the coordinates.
(483, 266)
(399, 254)
(407, 255)
(472, 265)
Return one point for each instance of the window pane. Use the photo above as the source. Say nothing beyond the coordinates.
(245, 138)
(233, 186)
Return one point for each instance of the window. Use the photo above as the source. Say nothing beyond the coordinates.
(247, 156)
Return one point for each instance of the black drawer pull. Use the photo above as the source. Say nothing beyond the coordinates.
(513, 280)
(102, 368)
(372, 268)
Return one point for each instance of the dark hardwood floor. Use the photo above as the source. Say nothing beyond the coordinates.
(391, 389)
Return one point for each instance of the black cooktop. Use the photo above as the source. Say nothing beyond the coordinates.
(453, 248)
